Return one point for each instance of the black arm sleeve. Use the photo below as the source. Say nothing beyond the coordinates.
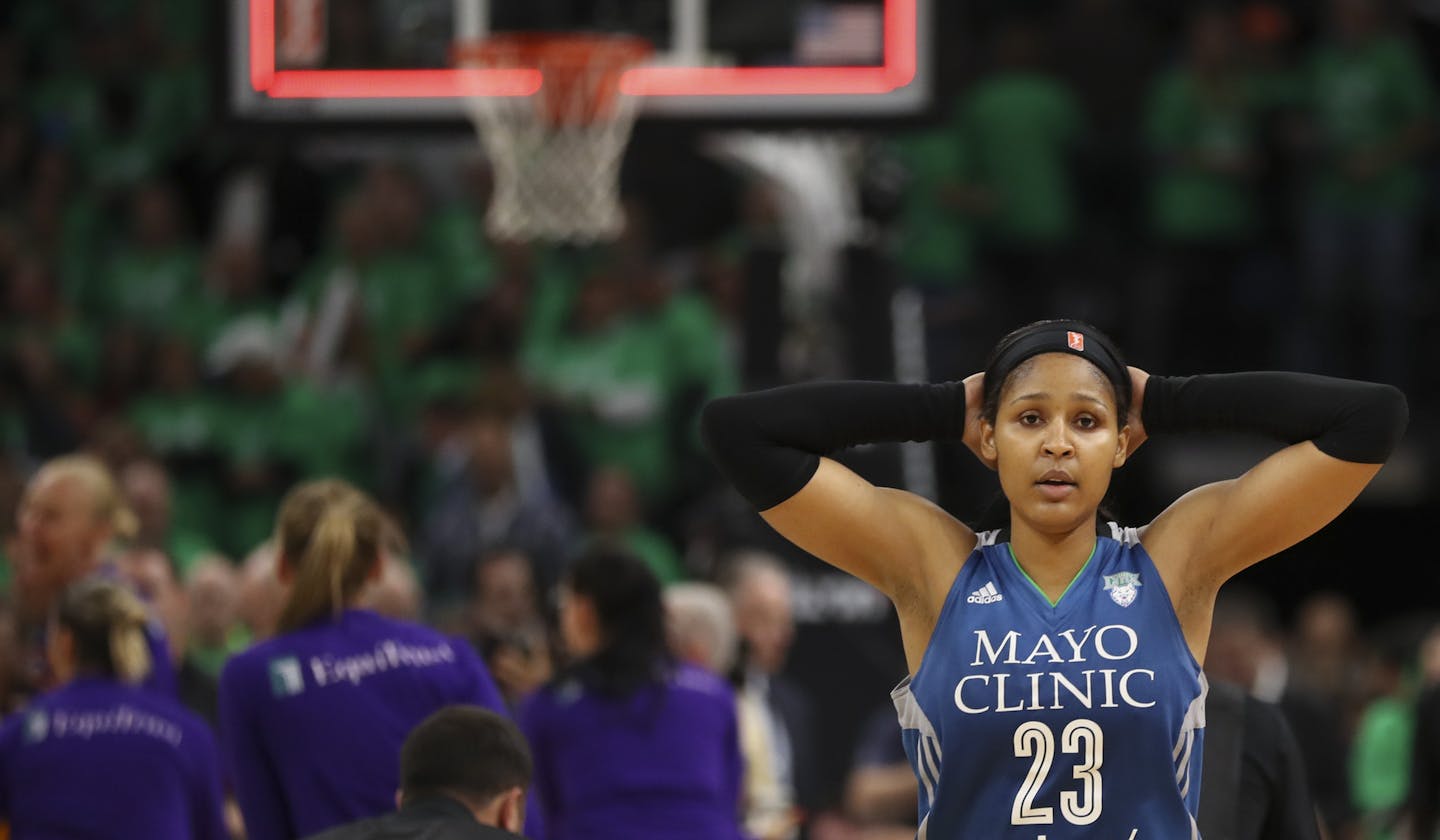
(1353, 421)
(768, 443)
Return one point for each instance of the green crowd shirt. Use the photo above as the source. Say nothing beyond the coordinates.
(1365, 97)
(1021, 128)
(1188, 122)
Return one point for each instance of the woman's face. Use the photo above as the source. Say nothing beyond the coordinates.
(1055, 441)
(579, 626)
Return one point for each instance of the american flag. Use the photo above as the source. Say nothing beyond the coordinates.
(842, 33)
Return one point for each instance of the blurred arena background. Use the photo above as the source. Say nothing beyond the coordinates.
(245, 243)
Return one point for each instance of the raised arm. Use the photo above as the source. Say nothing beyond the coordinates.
(771, 446)
(1340, 432)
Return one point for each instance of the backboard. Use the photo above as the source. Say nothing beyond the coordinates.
(390, 60)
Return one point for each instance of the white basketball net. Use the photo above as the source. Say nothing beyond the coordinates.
(556, 154)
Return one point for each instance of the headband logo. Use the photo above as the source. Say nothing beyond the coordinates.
(1076, 340)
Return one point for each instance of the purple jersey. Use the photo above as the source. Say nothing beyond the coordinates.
(311, 722)
(662, 763)
(100, 759)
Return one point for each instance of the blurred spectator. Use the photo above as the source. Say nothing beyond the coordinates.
(507, 624)
(127, 351)
(490, 504)
(143, 765)
(628, 744)
(88, 100)
(1245, 649)
(775, 712)
(700, 627)
(1203, 132)
(374, 296)
(333, 344)
(1380, 760)
(262, 592)
(881, 793)
(235, 287)
(1371, 106)
(1326, 652)
(146, 487)
(35, 307)
(613, 516)
(396, 592)
(271, 430)
(44, 420)
(425, 454)
(212, 619)
(456, 232)
(179, 418)
(1108, 51)
(113, 442)
(62, 221)
(1422, 801)
(464, 774)
(155, 578)
(605, 383)
(1253, 785)
(934, 244)
(48, 352)
(290, 707)
(154, 274)
(487, 327)
(253, 441)
(1022, 126)
(70, 521)
(685, 325)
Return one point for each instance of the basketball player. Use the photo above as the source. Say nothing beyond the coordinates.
(312, 721)
(1054, 687)
(628, 743)
(72, 523)
(101, 755)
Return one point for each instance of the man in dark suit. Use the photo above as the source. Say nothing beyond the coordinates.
(1246, 649)
(1423, 800)
(463, 775)
(774, 712)
(1254, 784)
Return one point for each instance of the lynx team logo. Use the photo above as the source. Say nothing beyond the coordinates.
(1122, 587)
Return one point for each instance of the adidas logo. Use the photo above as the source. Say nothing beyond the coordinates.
(986, 594)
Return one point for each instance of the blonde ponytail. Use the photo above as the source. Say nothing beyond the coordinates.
(129, 648)
(330, 535)
(108, 624)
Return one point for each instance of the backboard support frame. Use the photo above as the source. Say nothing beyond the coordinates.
(679, 85)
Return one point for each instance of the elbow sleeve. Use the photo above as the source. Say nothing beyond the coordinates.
(1361, 422)
(768, 443)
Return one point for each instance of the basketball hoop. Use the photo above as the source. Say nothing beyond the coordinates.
(556, 154)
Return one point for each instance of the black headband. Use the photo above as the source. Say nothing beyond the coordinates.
(1070, 338)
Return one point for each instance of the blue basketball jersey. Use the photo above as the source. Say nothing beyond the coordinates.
(1082, 719)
